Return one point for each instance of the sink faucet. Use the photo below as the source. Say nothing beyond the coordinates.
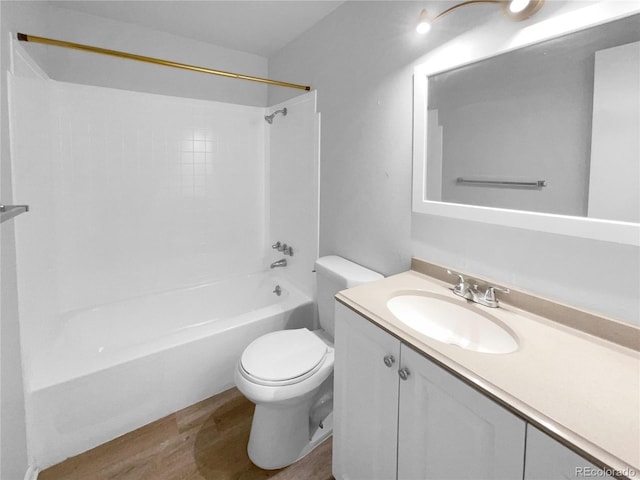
(470, 291)
(279, 263)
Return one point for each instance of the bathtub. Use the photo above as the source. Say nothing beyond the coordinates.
(116, 367)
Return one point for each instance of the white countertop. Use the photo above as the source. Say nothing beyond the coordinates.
(582, 389)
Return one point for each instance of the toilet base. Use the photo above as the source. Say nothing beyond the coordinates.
(273, 454)
(283, 434)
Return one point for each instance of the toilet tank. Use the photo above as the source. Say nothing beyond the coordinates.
(333, 274)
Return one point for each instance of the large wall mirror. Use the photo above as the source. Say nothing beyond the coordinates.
(545, 137)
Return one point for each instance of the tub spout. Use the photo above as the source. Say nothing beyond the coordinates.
(279, 263)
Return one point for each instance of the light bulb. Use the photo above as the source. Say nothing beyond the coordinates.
(517, 6)
(518, 10)
(424, 25)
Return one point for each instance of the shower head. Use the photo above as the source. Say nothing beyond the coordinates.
(269, 118)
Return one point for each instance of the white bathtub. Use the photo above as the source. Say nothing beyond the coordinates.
(119, 366)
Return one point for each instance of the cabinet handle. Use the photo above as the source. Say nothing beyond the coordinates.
(389, 360)
(404, 373)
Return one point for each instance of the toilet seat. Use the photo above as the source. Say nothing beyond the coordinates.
(284, 357)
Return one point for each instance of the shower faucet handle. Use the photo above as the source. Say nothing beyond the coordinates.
(283, 247)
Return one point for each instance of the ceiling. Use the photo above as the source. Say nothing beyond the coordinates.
(258, 27)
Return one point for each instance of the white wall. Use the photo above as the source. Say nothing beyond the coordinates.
(364, 84)
(293, 187)
(361, 59)
(13, 443)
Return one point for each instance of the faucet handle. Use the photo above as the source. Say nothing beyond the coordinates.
(490, 294)
(461, 286)
(282, 248)
(276, 245)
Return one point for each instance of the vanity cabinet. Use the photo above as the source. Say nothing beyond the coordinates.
(400, 416)
(365, 399)
(548, 459)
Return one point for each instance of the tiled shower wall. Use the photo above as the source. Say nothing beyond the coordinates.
(130, 193)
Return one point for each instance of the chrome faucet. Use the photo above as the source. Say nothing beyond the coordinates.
(279, 263)
(470, 291)
(283, 247)
(462, 288)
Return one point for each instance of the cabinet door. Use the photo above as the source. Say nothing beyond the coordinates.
(365, 399)
(548, 459)
(448, 430)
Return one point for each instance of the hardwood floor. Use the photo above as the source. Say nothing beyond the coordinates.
(207, 441)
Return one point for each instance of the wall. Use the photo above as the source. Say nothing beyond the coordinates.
(293, 187)
(93, 69)
(13, 443)
(354, 61)
(361, 59)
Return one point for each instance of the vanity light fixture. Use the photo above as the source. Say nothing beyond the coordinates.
(513, 9)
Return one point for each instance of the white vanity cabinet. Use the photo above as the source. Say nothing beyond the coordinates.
(400, 416)
(365, 399)
(548, 459)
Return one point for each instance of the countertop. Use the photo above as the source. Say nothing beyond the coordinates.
(581, 389)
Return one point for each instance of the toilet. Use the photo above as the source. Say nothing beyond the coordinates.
(288, 374)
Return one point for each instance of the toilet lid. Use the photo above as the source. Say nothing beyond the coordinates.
(283, 355)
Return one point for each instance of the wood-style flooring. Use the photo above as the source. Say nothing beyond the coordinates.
(206, 441)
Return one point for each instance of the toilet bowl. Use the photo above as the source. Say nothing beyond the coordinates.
(288, 374)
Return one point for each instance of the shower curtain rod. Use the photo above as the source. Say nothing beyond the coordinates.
(157, 61)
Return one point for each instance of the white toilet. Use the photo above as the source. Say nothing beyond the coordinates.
(288, 374)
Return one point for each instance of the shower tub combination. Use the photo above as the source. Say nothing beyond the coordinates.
(116, 367)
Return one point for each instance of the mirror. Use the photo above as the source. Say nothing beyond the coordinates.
(545, 136)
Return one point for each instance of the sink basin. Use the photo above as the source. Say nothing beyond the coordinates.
(450, 321)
